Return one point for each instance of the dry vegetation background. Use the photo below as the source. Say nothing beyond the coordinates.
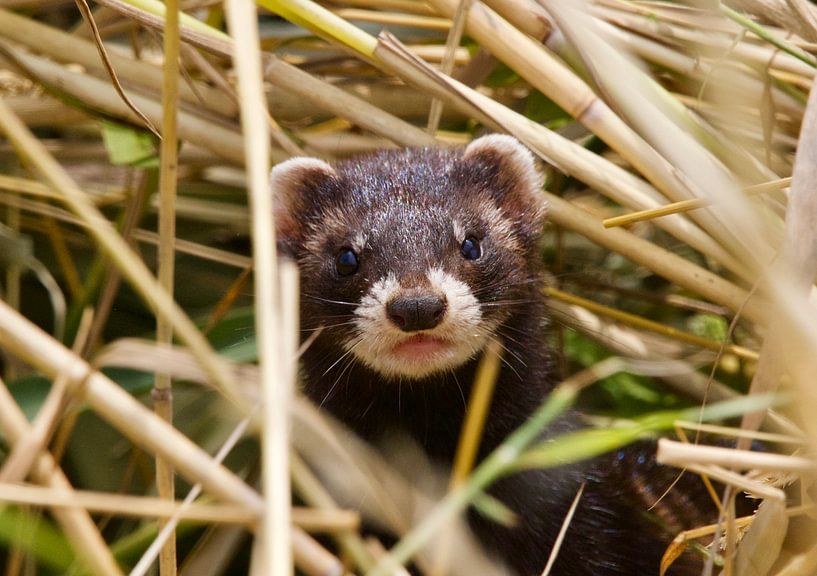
(681, 163)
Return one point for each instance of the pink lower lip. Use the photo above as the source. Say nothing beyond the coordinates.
(420, 346)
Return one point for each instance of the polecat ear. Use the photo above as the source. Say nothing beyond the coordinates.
(516, 184)
(293, 183)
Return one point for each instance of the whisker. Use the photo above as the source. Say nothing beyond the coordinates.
(327, 326)
(318, 298)
(504, 360)
(344, 355)
(335, 363)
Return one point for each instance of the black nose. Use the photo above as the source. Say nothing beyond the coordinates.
(412, 313)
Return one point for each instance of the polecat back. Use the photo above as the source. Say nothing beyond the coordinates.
(411, 262)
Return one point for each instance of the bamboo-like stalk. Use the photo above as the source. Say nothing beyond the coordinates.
(77, 524)
(162, 393)
(274, 537)
(323, 23)
(39, 190)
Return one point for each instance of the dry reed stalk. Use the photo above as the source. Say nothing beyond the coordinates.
(117, 250)
(124, 505)
(27, 187)
(407, 6)
(650, 325)
(162, 392)
(314, 91)
(99, 95)
(19, 462)
(112, 403)
(674, 268)
(739, 482)
(752, 237)
(198, 250)
(533, 62)
(469, 440)
(315, 559)
(788, 344)
(309, 488)
(327, 97)
(567, 156)
(274, 334)
(679, 375)
(155, 548)
(68, 48)
(704, 72)
(525, 15)
(44, 110)
(686, 205)
(447, 66)
(782, 13)
(308, 519)
(682, 454)
(395, 19)
(557, 544)
(77, 524)
(758, 56)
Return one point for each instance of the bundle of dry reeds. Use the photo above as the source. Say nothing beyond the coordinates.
(145, 341)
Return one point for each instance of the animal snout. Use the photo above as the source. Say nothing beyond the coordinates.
(413, 313)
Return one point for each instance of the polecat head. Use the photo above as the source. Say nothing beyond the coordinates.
(411, 260)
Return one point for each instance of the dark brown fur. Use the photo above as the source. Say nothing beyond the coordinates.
(404, 201)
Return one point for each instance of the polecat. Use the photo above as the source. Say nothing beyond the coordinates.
(412, 261)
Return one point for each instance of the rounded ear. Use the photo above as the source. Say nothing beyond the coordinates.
(293, 183)
(511, 170)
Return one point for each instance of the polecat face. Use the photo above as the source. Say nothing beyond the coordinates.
(411, 260)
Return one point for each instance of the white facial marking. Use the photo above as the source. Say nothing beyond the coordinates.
(462, 329)
(359, 242)
(459, 230)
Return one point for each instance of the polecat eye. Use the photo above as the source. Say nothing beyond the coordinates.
(470, 248)
(346, 262)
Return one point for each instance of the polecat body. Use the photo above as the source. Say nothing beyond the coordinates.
(412, 261)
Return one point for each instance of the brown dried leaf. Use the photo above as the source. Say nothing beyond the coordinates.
(677, 547)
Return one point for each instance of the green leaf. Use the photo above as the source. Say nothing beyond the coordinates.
(709, 326)
(583, 444)
(37, 536)
(495, 510)
(128, 146)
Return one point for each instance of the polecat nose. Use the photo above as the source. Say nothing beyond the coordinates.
(412, 313)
